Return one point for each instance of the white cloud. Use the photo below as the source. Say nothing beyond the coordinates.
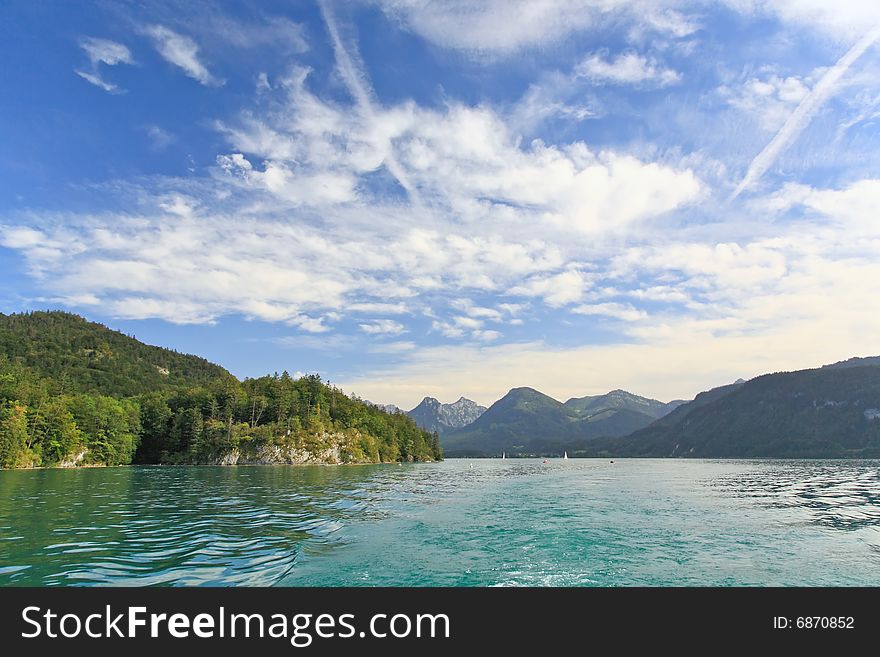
(627, 68)
(770, 99)
(382, 327)
(447, 329)
(178, 204)
(306, 323)
(464, 159)
(852, 209)
(103, 51)
(501, 215)
(183, 52)
(665, 21)
(503, 27)
(556, 290)
(21, 237)
(98, 81)
(480, 312)
(625, 312)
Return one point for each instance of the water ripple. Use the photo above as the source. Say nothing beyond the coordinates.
(457, 523)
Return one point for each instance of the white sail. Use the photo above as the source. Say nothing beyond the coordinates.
(565, 455)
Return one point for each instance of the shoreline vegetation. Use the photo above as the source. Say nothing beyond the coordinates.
(74, 393)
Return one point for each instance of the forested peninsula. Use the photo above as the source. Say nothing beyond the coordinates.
(76, 393)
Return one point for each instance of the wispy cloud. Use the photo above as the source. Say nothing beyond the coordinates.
(183, 52)
(382, 327)
(806, 109)
(98, 81)
(354, 75)
(103, 51)
(627, 68)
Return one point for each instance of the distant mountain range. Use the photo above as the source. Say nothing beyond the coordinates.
(828, 412)
(526, 421)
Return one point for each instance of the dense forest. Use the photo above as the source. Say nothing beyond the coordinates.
(74, 392)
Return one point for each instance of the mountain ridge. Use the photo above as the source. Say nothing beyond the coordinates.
(432, 415)
(527, 421)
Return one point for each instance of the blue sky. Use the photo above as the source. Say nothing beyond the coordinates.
(451, 198)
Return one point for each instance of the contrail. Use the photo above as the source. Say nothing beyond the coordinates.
(355, 78)
(804, 112)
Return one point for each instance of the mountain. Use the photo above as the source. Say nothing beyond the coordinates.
(830, 412)
(439, 418)
(89, 357)
(526, 421)
(621, 399)
(73, 392)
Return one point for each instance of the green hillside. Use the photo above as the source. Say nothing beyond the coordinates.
(88, 357)
(832, 412)
(76, 393)
(620, 399)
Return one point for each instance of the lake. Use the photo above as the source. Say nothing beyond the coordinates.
(481, 522)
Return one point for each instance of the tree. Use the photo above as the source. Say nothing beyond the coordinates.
(13, 434)
(54, 432)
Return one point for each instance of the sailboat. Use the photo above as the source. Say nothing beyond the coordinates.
(565, 455)
(503, 455)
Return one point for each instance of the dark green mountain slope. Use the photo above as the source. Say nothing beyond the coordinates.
(76, 393)
(88, 357)
(821, 413)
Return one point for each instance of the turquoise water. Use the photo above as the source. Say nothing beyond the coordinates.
(456, 523)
